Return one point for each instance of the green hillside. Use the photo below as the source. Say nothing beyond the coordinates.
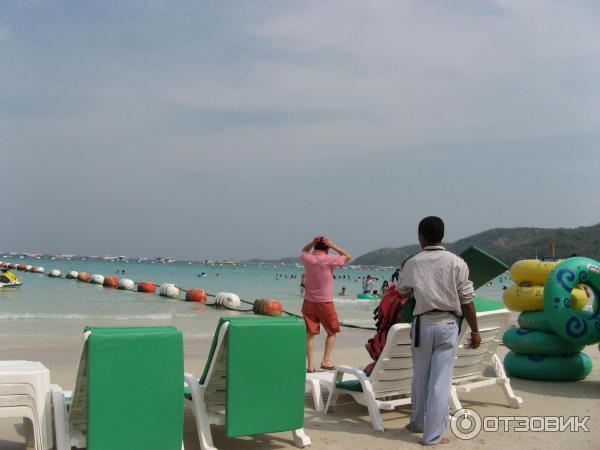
(507, 244)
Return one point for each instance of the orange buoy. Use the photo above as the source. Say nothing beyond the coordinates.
(21, 267)
(112, 282)
(195, 295)
(267, 307)
(84, 276)
(146, 286)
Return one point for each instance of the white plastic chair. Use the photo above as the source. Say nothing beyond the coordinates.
(25, 392)
(386, 388)
(389, 384)
(470, 364)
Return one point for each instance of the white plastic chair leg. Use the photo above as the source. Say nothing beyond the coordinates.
(202, 421)
(511, 398)
(315, 387)
(455, 404)
(301, 440)
(376, 420)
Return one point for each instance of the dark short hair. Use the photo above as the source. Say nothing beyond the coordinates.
(432, 229)
(321, 245)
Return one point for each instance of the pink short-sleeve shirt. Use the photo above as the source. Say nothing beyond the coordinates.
(318, 269)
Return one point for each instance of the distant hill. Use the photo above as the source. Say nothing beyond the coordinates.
(507, 244)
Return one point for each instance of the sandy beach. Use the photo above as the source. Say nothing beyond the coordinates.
(349, 425)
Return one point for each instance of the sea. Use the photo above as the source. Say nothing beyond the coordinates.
(57, 309)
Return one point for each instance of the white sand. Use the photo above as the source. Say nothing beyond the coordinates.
(349, 425)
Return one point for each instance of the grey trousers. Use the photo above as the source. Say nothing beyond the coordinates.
(433, 362)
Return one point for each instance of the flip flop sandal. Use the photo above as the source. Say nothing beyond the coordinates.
(327, 367)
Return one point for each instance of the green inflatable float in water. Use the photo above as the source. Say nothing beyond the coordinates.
(572, 367)
(578, 327)
(366, 296)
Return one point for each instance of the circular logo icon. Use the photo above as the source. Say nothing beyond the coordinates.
(465, 424)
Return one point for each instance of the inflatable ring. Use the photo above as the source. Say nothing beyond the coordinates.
(581, 327)
(535, 321)
(572, 367)
(538, 343)
(531, 271)
(366, 296)
(531, 298)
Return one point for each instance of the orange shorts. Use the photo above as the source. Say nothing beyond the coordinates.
(316, 313)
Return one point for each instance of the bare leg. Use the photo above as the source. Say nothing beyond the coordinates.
(309, 351)
(329, 343)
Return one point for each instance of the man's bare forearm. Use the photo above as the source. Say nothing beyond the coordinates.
(470, 316)
(347, 256)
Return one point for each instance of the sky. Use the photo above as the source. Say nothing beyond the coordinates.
(203, 129)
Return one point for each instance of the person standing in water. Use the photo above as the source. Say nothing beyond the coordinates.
(318, 308)
(302, 283)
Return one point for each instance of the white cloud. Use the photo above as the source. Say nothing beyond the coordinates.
(412, 72)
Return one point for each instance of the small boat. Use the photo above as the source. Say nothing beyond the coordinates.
(9, 279)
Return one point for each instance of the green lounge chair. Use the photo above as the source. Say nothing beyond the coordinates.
(253, 381)
(128, 394)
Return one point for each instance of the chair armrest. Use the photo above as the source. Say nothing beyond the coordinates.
(189, 379)
(59, 406)
(358, 373)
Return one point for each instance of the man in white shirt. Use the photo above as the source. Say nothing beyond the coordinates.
(439, 282)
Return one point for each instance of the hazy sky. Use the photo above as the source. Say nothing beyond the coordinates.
(199, 129)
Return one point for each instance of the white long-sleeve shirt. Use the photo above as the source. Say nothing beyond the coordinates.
(438, 279)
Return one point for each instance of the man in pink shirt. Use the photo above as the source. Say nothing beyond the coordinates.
(318, 308)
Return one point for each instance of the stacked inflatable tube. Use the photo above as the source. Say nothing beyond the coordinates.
(575, 366)
(537, 351)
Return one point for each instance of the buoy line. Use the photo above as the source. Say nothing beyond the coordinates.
(225, 300)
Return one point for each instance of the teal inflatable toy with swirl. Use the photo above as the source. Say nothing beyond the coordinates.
(577, 327)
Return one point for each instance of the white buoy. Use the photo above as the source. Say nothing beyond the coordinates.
(40, 269)
(169, 290)
(126, 284)
(72, 275)
(97, 279)
(228, 300)
(28, 268)
(54, 273)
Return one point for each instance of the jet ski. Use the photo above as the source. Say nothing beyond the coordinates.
(9, 279)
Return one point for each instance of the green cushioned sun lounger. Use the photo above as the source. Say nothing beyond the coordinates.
(253, 381)
(128, 394)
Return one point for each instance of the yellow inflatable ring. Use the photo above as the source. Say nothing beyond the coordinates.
(532, 271)
(531, 298)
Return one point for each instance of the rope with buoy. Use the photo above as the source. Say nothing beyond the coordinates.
(225, 300)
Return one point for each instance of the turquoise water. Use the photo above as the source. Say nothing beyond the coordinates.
(59, 308)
